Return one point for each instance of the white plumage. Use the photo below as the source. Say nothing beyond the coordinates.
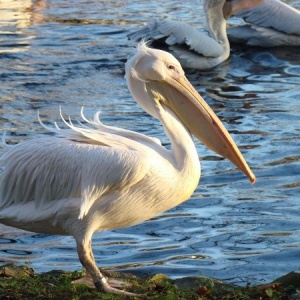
(94, 177)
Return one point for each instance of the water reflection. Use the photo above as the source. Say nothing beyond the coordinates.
(16, 17)
(228, 229)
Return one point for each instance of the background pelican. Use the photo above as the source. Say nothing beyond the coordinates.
(193, 48)
(95, 177)
(270, 23)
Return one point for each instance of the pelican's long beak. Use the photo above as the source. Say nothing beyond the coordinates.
(227, 10)
(199, 118)
(232, 7)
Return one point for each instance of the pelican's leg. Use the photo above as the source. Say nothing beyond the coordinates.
(86, 258)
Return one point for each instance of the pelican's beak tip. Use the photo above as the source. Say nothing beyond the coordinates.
(252, 178)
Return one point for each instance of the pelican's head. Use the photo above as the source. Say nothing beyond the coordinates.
(149, 65)
(155, 79)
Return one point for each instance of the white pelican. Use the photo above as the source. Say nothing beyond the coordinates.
(193, 48)
(269, 23)
(95, 177)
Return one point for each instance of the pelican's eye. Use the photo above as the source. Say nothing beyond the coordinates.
(174, 71)
(171, 67)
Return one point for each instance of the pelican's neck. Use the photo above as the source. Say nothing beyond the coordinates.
(184, 154)
(217, 24)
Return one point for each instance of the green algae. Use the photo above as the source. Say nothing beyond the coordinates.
(22, 283)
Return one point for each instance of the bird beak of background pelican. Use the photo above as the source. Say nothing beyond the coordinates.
(232, 7)
(227, 9)
(179, 95)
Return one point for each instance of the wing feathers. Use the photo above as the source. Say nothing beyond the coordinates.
(180, 33)
(260, 36)
(274, 14)
(57, 169)
(83, 163)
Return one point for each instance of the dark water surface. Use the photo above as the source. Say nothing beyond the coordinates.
(71, 54)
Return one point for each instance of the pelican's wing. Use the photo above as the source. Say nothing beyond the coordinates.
(177, 33)
(273, 14)
(260, 36)
(103, 135)
(131, 135)
(56, 169)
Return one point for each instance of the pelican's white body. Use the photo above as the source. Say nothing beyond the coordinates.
(110, 186)
(97, 177)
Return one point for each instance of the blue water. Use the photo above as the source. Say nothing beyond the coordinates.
(71, 54)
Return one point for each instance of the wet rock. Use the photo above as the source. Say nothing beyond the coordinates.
(195, 282)
(11, 270)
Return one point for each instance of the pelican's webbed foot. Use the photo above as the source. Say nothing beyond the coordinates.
(108, 286)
